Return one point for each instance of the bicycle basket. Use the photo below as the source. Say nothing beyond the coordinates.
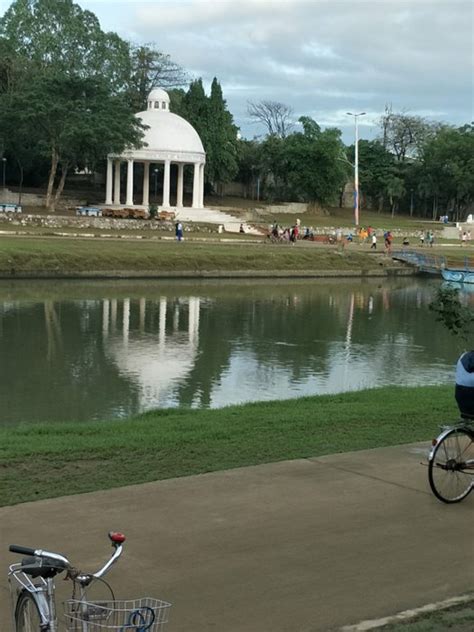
(132, 615)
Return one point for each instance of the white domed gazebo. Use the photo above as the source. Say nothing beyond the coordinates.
(169, 140)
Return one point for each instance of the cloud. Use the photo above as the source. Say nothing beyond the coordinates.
(321, 57)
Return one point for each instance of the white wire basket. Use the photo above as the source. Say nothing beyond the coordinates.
(131, 615)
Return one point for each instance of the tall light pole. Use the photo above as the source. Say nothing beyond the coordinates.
(356, 166)
(155, 173)
(4, 160)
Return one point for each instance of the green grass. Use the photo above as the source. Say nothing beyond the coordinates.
(344, 217)
(31, 254)
(47, 460)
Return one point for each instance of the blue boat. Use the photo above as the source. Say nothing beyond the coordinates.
(457, 276)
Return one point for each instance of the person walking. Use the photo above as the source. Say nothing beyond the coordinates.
(422, 239)
(374, 241)
(179, 231)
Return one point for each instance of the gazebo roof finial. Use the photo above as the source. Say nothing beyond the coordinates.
(158, 99)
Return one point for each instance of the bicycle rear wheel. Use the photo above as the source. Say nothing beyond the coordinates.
(451, 466)
(27, 616)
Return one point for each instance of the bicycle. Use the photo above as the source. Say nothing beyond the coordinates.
(451, 461)
(34, 605)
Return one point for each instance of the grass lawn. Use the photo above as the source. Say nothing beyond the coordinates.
(32, 254)
(47, 460)
(344, 217)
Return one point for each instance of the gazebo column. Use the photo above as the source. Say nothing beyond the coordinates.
(166, 184)
(146, 184)
(129, 198)
(201, 186)
(179, 192)
(109, 181)
(196, 185)
(117, 183)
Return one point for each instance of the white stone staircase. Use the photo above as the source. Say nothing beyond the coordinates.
(231, 223)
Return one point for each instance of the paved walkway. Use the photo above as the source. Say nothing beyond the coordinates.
(296, 546)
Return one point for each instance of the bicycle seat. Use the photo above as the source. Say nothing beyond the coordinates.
(41, 567)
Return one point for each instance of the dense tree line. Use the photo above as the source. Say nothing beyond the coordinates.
(416, 167)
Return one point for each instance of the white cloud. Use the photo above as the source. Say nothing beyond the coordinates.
(321, 57)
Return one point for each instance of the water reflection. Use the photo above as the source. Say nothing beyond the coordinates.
(100, 350)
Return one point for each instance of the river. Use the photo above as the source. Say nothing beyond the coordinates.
(75, 351)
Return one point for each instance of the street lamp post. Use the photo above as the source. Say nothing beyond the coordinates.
(356, 166)
(4, 160)
(155, 173)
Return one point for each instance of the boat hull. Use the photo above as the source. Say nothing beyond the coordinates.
(458, 276)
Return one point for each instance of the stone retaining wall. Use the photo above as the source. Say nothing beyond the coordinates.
(60, 222)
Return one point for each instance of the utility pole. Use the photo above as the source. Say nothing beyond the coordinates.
(356, 167)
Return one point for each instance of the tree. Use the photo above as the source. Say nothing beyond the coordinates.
(222, 138)
(214, 124)
(376, 166)
(305, 165)
(59, 34)
(275, 116)
(447, 169)
(395, 189)
(457, 318)
(404, 134)
(150, 68)
(74, 121)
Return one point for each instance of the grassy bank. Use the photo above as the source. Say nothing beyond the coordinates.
(20, 254)
(41, 460)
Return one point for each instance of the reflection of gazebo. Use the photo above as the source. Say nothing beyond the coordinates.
(169, 139)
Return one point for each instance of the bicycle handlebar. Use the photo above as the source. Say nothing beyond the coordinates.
(22, 550)
(117, 540)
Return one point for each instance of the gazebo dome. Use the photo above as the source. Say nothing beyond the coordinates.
(167, 131)
(168, 139)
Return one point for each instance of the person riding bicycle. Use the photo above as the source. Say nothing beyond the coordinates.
(464, 391)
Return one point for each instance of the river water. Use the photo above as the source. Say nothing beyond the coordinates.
(102, 350)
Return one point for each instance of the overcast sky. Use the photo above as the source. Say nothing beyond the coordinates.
(322, 58)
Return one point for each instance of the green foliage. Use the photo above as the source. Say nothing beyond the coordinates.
(150, 68)
(74, 121)
(214, 124)
(447, 168)
(457, 318)
(58, 34)
(304, 165)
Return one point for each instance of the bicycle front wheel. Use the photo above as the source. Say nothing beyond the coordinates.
(451, 466)
(27, 616)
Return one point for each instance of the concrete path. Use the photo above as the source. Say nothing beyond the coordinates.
(296, 546)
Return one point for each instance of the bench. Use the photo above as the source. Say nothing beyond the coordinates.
(90, 211)
(10, 208)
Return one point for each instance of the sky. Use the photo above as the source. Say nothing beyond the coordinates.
(322, 58)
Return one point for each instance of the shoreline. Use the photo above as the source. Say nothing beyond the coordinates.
(206, 274)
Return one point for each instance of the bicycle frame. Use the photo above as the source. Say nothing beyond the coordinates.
(43, 592)
(43, 595)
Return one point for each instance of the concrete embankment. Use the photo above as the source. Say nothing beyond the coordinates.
(206, 274)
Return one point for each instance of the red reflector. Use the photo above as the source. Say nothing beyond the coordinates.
(117, 537)
(434, 442)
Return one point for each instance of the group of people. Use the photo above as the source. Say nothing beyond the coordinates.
(427, 237)
(369, 235)
(290, 233)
